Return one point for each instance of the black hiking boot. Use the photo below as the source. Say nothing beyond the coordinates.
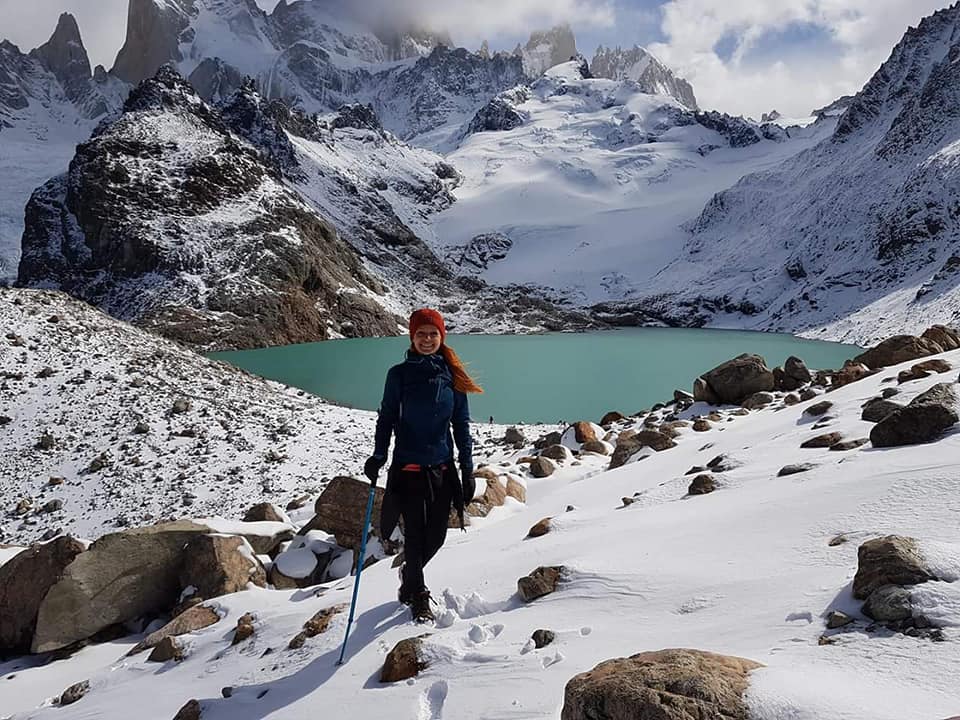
(420, 607)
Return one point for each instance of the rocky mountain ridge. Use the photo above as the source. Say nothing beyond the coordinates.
(859, 234)
(641, 67)
(234, 259)
(212, 225)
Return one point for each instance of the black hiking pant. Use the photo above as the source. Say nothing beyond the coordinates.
(424, 498)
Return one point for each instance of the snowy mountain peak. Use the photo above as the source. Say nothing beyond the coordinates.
(926, 54)
(65, 56)
(547, 48)
(165, 90)
(644, 69)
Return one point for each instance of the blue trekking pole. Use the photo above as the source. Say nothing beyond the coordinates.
(356, 581)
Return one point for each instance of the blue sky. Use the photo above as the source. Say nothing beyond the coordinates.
(742, 56)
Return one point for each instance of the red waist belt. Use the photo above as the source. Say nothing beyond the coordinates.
(416, 468)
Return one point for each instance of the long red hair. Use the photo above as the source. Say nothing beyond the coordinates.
(461, 378)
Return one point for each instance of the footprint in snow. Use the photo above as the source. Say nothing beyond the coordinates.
(701, 602)
(481, 634)
(553, 659)
(431, 702)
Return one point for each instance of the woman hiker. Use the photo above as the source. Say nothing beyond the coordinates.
(423, 399)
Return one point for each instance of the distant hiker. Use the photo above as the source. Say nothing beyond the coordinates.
(423, 399)
(491, 419)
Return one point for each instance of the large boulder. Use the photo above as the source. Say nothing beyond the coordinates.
(24, 581)
(851, 372)
(795, 373)
(122, 576)
(898, 349)
(889, 560)
(945, 337)
(626, 448)
(877, 409)
(340, 510)
(629, 444)
(737, 379)
(542, 467)
(923, 420)
(220, 564)
(661, 685)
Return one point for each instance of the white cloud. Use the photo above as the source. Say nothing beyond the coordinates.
(469, 21)
(863, 33)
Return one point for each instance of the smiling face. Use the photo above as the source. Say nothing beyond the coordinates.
(426, 340)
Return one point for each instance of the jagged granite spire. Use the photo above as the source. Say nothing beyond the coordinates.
(153, 37)
(643, 68)
(547, 48)
(64, 55)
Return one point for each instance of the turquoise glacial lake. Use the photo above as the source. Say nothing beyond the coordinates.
(539, 378)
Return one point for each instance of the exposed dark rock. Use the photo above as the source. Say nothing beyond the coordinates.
(890, 560)
(540, 528)
(794, 469)
(888, 602)
(876, 409)
(822, 441)
(540, 582)
(818, 409)
(245, 629)
(923, 420)
(542, 638)
(737, 379)
(74, 693)
(702, 484)
(898, 349)
(405, 660)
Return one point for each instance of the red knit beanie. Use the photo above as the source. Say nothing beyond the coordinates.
(426, 316)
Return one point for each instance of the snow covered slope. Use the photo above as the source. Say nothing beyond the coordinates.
(584, 183)
(751, 570)
(856, 239)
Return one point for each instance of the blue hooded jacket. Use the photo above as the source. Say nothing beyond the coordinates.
(420, 407)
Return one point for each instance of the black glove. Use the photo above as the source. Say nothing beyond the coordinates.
(469, 483)
(371, 468)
